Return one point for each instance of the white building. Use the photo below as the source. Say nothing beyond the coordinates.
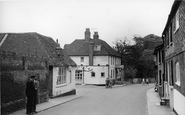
(95, 60)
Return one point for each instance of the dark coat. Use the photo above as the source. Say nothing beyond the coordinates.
(31, 97)
(30, 88)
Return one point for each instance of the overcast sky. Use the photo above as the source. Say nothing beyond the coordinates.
(67, 20)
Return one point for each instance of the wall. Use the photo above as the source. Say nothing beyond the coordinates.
(179, 103)
(179, 55)
(102, 60)
(77, 60)
(97, 79)
(15, 71)
(68, 86)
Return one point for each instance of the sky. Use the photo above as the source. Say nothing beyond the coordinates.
(66, 20)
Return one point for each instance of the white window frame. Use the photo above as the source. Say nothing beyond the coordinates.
(177, 21)
(97, 47)
(177, 73)
(61, 77)
(78, 74)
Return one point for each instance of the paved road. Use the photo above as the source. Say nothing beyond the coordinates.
(120, 100)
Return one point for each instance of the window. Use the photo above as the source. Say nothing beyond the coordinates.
(102, 74)
(172, 81)
(177, 67)
(92, 74)
(166, 77)
(159, 57)
(113, 61)
(160, 80)
(61, 78)
(170, 33)
(111, 74)
(167, 37)
(97, 47)
(82, 59)
(78, 74)
(177, 20)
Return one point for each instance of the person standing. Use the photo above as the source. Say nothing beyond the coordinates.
(36, 81)
(31, 96)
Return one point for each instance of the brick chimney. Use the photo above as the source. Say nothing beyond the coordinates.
(95, 36)
(87, 34)
(91, 47)
(58, 43)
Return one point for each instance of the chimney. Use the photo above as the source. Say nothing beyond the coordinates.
(91, 46)
(95, 36)
(58, 43)
(87, 34)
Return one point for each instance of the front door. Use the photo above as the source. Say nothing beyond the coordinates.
(78, 76)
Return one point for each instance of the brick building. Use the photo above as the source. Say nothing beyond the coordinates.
(174, 57)
(159, 65)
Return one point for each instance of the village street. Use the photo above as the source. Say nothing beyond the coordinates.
(97, 100)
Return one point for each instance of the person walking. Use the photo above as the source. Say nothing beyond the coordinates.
(143, 81)
(147, 81)
(31, 96)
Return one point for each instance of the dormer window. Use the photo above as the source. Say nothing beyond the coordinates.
(58, 51)
(97, 47)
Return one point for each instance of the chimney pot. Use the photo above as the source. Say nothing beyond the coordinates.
(95, 36)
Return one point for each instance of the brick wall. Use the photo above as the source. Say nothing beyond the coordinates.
(179, 42)
(15, 71)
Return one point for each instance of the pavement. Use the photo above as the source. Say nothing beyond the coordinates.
(154, 107)
(50, 104)
(153, 103)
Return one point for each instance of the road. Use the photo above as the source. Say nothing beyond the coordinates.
(97, 100)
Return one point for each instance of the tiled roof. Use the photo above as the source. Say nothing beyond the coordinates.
(38, 45)
(1, 36)
(80, 47)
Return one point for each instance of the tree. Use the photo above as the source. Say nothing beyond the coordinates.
(138, 58)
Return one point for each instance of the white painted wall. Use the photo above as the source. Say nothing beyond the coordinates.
(97, 79)
(102, 60)
(179, 103)
(63, 88)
